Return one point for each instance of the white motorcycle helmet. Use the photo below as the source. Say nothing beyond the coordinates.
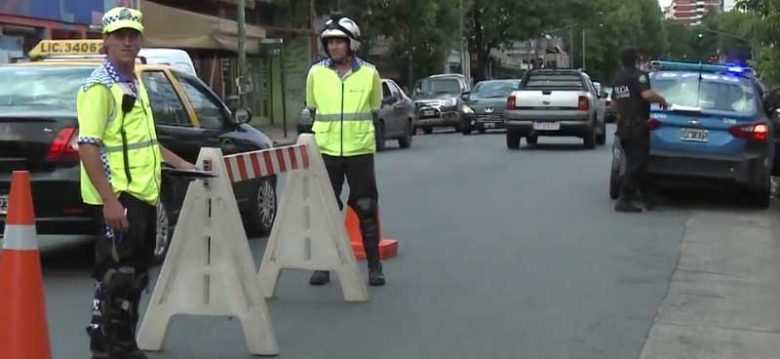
(344, 27)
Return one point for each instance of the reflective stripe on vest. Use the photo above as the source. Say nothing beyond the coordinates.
(131, 146)
(358, 116)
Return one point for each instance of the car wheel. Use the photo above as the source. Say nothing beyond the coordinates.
(761, 196)
(467, 130)
(380, 136)
(406, 140)
(590, 139)
(615, 183)
(427, 130)
(163, 233)
(512, 140)
(262, 213)
(601, 138)
(482, 131)
(532, 140)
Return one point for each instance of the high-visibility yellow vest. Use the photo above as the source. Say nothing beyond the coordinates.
(132, 165)
(345, 107)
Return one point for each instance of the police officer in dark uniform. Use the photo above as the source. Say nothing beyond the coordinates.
(633, 97)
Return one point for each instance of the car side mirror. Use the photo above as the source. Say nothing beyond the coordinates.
(243, 115)
(465, 95)
(232, 103)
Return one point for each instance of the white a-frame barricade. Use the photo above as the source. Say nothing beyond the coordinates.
(209, 269)
(309, 231)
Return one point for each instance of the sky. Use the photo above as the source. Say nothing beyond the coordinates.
(729, 3)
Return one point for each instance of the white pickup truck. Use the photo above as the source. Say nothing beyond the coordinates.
(555, 102)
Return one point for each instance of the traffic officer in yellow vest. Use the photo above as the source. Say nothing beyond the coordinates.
(344, 93)
(120, 176)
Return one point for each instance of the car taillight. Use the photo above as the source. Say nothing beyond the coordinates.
(65, 146)
(583, 104)
(756, 132)
(510, 102)
(653, 124)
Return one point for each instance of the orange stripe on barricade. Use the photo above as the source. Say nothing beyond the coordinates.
(263, 163)
(293, 159)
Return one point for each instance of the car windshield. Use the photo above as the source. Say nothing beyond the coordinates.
(715, 93)
(54, 86)
(438, 86)
(554, 81)
(495, 89)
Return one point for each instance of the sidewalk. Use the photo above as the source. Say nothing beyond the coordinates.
(724, 297)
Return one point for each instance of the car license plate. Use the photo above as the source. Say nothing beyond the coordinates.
(429, 113)
(3, 203)
(547, 126)
(489, 125)
(694, 135)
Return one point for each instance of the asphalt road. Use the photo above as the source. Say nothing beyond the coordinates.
(504, 254)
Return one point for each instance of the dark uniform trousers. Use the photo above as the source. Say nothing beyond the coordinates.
(635, 141)
(363, 197)
(122, 262)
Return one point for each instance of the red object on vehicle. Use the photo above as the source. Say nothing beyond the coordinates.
(653, 124)
(583, 104)
(756, 132)
(65, 145)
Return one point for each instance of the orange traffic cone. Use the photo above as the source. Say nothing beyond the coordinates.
(388, 248)
(24, 333)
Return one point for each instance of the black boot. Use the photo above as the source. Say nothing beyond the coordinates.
(132, 350)
(375, 277)
(369, 228)
(320, 277)
(626, 206)
(98, 344)
(122, 299)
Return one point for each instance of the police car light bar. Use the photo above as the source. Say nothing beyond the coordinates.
(701, 67)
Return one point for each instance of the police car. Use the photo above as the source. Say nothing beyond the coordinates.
(716, 131)
(38, 133)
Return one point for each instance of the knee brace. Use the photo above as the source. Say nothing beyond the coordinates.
(366, 208)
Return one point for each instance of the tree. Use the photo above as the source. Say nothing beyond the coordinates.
(493, 24)
(763, 29)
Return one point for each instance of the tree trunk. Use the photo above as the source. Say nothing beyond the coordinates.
(479, 43)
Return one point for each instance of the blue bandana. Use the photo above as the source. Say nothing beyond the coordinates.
(118, 77)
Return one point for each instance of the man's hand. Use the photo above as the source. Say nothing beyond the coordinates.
(184, 165)
(175, 161)
(115, 215)
(664, 105)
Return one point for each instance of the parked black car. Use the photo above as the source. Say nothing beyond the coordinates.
(39, 130)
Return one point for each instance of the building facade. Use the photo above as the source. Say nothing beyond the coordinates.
(23, 23)
(692, 12)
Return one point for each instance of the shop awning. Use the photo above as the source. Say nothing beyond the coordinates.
(166, 26)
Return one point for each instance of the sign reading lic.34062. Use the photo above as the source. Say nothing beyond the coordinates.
(67, 47)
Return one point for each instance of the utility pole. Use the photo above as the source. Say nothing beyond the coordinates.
(571, 48)
(241, 19)
(583, 49)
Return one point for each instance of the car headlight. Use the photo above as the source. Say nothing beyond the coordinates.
(467, 110)
(450, 102)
